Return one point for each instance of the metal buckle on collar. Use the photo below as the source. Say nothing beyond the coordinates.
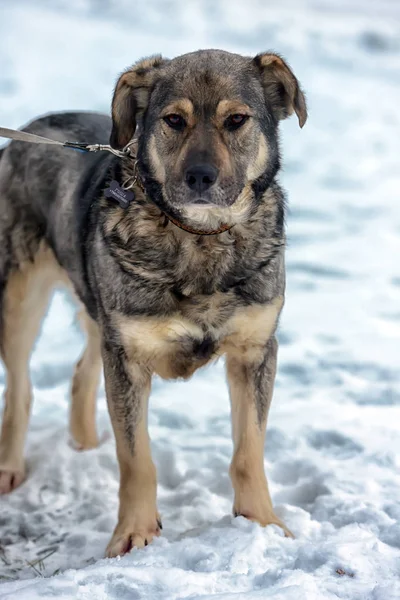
(134, 179)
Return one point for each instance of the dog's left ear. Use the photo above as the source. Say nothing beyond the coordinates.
(131, 96)
(281, 87)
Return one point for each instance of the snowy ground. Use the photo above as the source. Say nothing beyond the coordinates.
(333, 443)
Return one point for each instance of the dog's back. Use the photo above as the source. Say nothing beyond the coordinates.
(34, 176)
(39, 185)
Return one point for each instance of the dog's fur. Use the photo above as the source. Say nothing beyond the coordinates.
(154, 298)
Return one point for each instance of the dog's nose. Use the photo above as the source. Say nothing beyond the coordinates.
(201, 177)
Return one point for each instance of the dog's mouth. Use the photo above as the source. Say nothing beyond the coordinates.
(202, 203)
(210, 202)
(217, 199)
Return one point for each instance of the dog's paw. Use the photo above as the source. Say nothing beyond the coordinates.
(10, 479)
(265, 520)
(131, 535)
(88, 443)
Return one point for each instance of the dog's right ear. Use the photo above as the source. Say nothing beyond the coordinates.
(131, 97)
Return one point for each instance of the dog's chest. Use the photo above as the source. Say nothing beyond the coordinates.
(177, 345)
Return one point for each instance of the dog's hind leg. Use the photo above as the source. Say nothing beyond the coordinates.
(84, 388)
(24, 303)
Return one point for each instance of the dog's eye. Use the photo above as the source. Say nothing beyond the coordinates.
(235, 121)
(175, 122)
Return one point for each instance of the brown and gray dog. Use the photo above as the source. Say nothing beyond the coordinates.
(192, 269)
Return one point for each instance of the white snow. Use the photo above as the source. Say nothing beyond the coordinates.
(333, 439)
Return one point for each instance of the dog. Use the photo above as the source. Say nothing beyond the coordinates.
(174, 251)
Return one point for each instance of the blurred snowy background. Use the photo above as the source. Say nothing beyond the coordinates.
(333, 439)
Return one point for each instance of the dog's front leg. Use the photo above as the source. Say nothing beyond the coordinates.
(128, 389)
(251, 384)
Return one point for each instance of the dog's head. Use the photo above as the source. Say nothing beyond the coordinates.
(208, 120)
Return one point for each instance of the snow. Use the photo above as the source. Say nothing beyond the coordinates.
(332, 453)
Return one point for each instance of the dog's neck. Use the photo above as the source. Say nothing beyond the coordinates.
(142, 235)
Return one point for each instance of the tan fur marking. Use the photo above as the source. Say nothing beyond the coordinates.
(153, 336)
(230, 107)
(223, 157)
(256, 168)
(251, 328)
(156, 343)
(183, 107)
(157, 164)
(272, 59)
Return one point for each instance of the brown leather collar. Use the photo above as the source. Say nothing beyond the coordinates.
(223, 227)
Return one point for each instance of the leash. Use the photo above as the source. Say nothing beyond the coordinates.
(122, 194)
(23, 136)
